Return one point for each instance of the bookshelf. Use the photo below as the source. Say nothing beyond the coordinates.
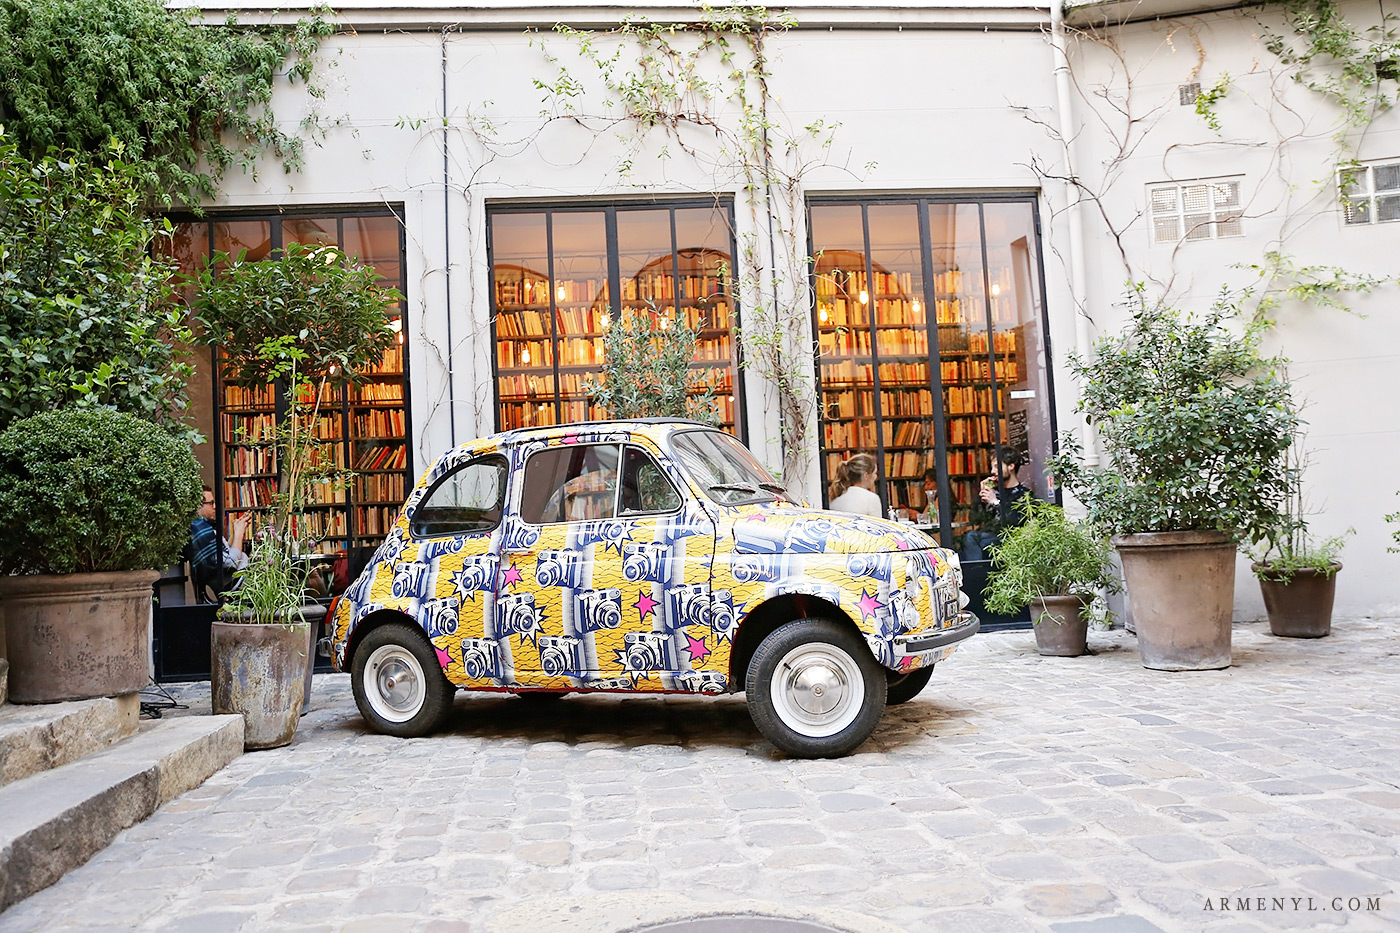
(913, 370)
(562, 278)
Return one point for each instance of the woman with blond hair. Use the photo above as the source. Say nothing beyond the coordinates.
(854, 488)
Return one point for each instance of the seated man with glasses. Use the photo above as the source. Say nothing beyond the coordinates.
(213, 558)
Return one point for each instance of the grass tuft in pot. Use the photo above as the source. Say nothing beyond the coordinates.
(1047, 555)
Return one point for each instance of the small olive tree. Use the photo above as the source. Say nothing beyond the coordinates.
(308, 319)
(646, 371)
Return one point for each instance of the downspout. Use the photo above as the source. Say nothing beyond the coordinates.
(1084, 340)
(447, 255)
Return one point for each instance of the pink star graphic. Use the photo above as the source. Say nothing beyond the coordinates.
(444, 659)
(511, 576)
(696, 647)
(644, 605)
(906, 664)
(868, 604)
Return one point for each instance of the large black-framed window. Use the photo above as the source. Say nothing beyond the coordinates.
(367, 428)
(933, 349)
(563, 273)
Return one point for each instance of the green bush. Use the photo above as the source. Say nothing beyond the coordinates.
(1195, 421)
(1046, 555)
(84, 491)
(186, 100)
(86, 305)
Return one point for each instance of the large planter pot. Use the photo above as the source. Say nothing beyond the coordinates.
(76, 636)
(259, 672)
(1182, 588)
(1302, 607)
(1061, 631)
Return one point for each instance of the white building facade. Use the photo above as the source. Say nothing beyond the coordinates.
(890, 226)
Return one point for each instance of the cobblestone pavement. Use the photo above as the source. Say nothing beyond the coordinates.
(1018, 793)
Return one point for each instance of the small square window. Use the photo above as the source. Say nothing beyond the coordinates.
(1371, 194)
(1204, 210)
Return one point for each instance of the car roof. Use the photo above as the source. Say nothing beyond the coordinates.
(659, 427)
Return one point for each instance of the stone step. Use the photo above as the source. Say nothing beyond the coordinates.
(56, 820)
(50, 735)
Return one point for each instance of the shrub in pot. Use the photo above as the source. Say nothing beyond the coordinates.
(91, 501)
(1196, 424)
(1297, 573)
(1056, 566)
(309, 320)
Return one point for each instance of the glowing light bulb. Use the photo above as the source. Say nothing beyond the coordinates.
(604, 320)
(864, 297)
(665, 323)
(916, 306)
(821, 313)
(996, 289)
(525, 355)
(399, 336)
(332, 369)
(559, 293)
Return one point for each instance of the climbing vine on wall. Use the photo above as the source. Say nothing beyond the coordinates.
(705, 87)
(186, 101)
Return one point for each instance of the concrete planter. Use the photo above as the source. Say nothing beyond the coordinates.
(76, 636)
(259, 672)
(1302, 607)
(1061, 631)
(1182, 587)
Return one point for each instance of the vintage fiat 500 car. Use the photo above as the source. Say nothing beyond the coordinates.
(643, 556)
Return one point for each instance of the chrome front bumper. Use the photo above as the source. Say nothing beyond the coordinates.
(921, 643)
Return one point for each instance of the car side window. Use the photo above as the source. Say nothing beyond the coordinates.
(645, 488)
(469, 500)
(570, 484)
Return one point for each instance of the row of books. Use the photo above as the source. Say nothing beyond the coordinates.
(514, 354)
(379, 392)
(976, 369)
(390, 364)
(243, 461)
(974, 400)
(249, 396)
(249, 493)
(853, 281)
(380, 487)
(373, 521)
(248, 429)
(523, 385)
(386, 423)
(513, 289)
(1003, 341)
(321, 524)
(327, 493)
(383, 457)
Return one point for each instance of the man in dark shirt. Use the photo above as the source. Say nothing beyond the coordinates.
(999, 493)
(213, 558)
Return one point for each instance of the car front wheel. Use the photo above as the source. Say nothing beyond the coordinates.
(398, 685)
(901, 688)
(814, 690)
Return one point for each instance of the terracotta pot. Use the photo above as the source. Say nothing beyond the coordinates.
(1061, 631)
(76, 636)
(1182, 588)
(1302, 607)
(259, 672)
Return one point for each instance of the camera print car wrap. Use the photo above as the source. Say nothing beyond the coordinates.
(619, 603)
(444, 584)
(888, 579)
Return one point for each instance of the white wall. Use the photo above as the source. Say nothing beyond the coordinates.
(934, 110)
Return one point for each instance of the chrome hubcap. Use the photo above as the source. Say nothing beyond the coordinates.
(394, 684)
(817, 689)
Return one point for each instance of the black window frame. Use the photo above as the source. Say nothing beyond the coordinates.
(413, 523)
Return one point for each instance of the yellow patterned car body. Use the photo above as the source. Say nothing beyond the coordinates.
(653, 603)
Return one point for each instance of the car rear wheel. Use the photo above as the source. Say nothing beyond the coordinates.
(398, 685)
(814, 690)
(901, 688)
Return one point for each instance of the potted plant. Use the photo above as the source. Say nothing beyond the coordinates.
(1056, 566)
(1297, 573)
(91, 500)
(307, 321)
(1196, 423)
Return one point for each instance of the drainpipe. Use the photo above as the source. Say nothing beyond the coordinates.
(1084, 340)
(447, 252)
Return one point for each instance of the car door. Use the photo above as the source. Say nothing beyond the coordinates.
(553, 595)
(448, 568)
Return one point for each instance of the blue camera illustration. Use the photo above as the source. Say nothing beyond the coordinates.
(438, 616)
(481, 657)
(561, 655)
(648, 651)
(560, 568)
(597, 609)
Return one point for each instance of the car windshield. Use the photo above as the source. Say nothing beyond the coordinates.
(724, 468)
